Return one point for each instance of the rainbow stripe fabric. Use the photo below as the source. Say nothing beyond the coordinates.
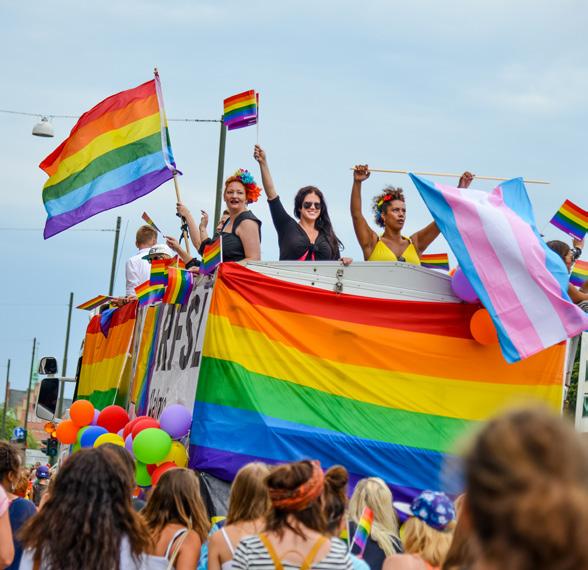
(572, 220)
(579, 273)
(148, 294)
(94, 303)
(362, 533)
(179, 286)
(105, 372)
(117, 152)
(159, 267)
(300, 372)
(520, 281)
(149, 221)
(435, 261)
(240, 110)
(212, 256)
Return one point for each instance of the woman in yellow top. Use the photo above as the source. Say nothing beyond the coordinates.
(389, 210)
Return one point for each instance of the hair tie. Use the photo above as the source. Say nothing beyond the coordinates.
(302, 496)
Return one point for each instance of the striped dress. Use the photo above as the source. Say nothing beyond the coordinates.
(251, 553)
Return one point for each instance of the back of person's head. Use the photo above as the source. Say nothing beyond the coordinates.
(249, 499)
(461, 554)
(372, 492)
(9, 465)
(146, 237)
(430, 544)
(334, 498)
(126, 460)
(294, 491)
(87, 516)
(176, 500)
(560, 247)
(527, 492)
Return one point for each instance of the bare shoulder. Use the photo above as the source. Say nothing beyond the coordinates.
(192, 540)
(402, 562)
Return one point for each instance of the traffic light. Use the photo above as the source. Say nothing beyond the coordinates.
(44, 446)
(50, 446)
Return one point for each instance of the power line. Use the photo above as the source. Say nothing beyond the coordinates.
(41, 229)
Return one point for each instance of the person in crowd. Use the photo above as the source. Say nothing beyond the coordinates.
(389, 209)
(19, 510)
(384, 538)
(295, 535)
(21, 488)
(334, 503)
(177, 520)
(427, 534)
(137, 269)
(124, 456)
(461, 554)
(309, 237)
(248, 504)
(6, 543)
(88, 520)
(43, 476)
(526, 476)
(569, 256)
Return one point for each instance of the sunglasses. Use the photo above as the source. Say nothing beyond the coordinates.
(308, 205)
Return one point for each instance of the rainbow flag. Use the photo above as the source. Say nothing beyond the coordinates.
(579, 273)
(362, 533)
(105, 371)
(572, 220)
(95, 302)
(240, 110)
(149, 221)
(298, 371)
(521, 282)
(212, 256)
(179, 286)
(435, 261)
(148, 294)
(116, 152)
(159, 269)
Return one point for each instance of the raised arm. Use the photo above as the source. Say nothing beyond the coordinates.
(423, 238)
(248, 232)
(192, 227)
(577, 295)
(174, 245)
(366, 237)
(266, 177)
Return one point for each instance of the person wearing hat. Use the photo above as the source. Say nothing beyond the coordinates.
(41, 484)
(427, 533)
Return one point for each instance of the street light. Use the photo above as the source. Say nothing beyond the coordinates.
(43, 128)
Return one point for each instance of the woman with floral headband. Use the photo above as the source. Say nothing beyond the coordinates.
(389, 209)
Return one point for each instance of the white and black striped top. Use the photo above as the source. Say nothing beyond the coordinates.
(251, 553)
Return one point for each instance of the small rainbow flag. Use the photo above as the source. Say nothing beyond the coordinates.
(159, 269)
(579, 273)
(212, 256)
(362, 533)
(149, 221)
(435, 261)
(572, 220)
(240, 110)
(179, 286)
(94, 303)
(148, 294)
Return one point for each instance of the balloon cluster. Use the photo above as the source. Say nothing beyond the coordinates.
(153, 444)
(481, 325)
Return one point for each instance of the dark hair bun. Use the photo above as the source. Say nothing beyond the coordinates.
(289, 476)
(336, 478)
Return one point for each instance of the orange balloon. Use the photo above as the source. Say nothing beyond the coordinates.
(81, 413)
(67, 432)
(482, 328)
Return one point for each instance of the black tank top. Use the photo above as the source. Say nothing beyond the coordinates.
(232, 246)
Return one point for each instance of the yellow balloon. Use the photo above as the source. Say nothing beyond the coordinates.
(177, 454)
(109, 438)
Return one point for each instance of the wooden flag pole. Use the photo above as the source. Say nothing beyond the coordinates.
(451, 175)
(184, 232)
(257, 121)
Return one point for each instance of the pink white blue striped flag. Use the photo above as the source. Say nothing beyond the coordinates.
(520, 281)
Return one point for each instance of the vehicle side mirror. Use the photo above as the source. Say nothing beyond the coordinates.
(47, 400)
(48, 365)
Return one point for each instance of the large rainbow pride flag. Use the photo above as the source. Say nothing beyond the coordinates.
(383, 387)
(106, 360)
(116, 152)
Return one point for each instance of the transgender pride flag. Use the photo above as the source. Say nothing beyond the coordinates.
(521, 282)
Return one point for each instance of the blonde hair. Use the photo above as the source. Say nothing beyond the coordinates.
(249, 499)
(375, 494)
(430, 544)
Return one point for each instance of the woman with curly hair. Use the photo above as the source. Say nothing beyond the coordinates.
(312, 237)
(88, 520)
(389, 209)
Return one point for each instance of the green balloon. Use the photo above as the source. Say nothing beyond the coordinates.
(142, 475)
(75, 447)
(151, 445)
(80, 434)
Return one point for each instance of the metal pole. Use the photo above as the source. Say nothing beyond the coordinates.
(26, 418)
(6, 396)
(114, 254)
(59, 410)
(220, 173)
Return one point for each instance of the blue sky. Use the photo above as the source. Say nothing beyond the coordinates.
(495, 87)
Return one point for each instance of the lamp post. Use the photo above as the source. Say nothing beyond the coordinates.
(26, 418)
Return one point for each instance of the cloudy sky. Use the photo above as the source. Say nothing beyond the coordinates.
(494, 87)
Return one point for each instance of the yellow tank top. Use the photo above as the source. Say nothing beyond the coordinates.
(383, 253)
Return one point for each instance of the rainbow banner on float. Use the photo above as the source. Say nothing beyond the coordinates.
(117, 152)
(571, 219)
(105, 372)
(383, 387)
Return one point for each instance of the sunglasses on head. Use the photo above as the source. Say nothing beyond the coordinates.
(308, 205)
